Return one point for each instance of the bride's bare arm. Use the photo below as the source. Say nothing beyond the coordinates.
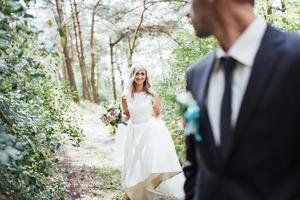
(156, 106)
(125, 109)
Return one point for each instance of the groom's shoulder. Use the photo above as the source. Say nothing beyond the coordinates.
(291, 46)
(288, 43)
(291, 41)
(200, 64)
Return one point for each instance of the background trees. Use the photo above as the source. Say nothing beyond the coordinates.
(100, 40)
(107, 38)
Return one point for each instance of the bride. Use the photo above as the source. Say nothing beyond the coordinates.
(151, 170)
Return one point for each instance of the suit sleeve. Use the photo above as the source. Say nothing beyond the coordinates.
(190, 169)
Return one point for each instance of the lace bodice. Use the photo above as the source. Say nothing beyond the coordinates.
(140, 107)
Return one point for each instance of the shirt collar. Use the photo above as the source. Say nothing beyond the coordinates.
(244, 49)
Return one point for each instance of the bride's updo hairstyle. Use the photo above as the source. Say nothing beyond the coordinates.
(146, 87)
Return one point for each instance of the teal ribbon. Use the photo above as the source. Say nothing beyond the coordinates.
(120, 120)
(191, 114)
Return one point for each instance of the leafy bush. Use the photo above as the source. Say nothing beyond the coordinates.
(190, 49)
(36, 114)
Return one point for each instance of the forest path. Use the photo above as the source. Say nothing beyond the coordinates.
(91, 170)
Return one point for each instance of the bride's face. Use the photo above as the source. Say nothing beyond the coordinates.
(140, 76)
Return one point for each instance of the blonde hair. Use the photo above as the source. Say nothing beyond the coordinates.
(146, 85)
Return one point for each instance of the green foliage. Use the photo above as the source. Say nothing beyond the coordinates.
(286, 17)
(8, 147)
(107, 180)
(190, 49)
(36, 114)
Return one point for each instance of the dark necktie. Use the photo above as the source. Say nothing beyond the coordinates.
(228, 65)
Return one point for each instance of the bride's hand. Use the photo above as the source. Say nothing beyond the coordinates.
(126, 115)
(158, 117)
(126, 118)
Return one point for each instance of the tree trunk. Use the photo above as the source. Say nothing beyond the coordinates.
(93, 60)
(269, 8)
(80, 52)
(121, 76)
(65, 72)
(135, 36)
(283, 5)
(64, 43)
(130, 54)
(98, 72)
(111, 45)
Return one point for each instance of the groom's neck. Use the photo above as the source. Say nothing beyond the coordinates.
(231, 21)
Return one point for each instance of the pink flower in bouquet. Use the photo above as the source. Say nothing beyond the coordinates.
(112, 117)
(116, 113)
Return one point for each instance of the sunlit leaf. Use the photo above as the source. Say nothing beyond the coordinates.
(3, 157)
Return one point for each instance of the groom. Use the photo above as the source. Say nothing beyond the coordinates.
(248, 91)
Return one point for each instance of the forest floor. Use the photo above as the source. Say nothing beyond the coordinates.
(90, 169)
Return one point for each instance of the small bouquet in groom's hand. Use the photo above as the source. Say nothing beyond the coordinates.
(112, 117)
(190, 111)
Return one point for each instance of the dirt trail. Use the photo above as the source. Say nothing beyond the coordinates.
(92, 173)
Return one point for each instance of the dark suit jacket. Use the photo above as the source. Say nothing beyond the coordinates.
(263, 161)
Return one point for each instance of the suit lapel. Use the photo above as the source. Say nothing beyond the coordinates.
(263, 68)
(207, 146)
(205, 74)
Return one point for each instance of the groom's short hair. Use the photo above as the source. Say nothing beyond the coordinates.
(250, 1)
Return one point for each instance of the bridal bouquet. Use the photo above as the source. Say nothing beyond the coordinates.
(112, 117)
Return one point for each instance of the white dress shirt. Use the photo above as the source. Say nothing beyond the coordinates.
(244, 51)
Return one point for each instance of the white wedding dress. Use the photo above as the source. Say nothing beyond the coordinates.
(151, 170)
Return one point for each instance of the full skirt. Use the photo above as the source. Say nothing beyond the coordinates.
(151, 169)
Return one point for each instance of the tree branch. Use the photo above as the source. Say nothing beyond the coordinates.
(138, 27)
